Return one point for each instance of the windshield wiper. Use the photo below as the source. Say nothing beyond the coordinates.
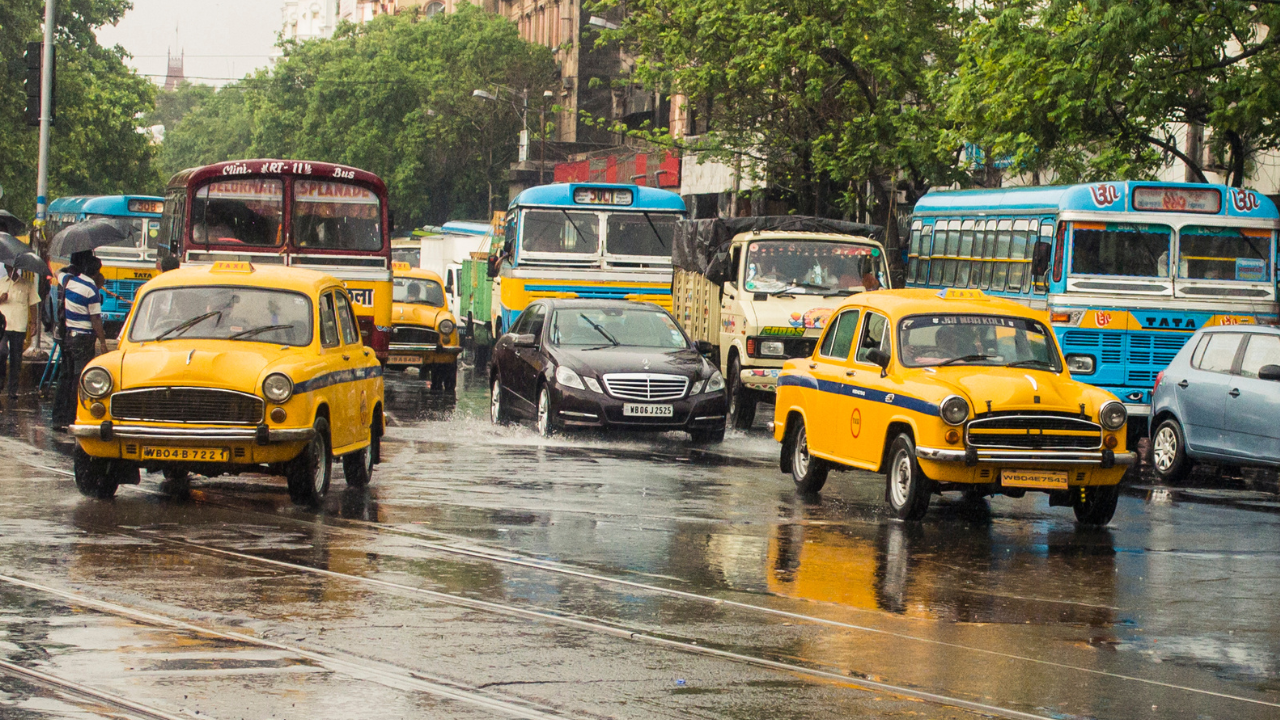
(966, 358)
(800, 285)
(1041, 363)
(188, 324)
(600, 330)
(655, 230)
(575, 226)
(255, 331)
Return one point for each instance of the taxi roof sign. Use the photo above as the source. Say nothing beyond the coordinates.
(400, 267)
(232, 267)
(958, 294)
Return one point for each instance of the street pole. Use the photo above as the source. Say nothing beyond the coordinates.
(46, 117)
(524, 125)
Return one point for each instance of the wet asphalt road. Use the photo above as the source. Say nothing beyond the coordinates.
(490, 573)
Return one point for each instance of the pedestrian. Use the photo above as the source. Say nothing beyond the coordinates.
(17, 296)
(82, 319)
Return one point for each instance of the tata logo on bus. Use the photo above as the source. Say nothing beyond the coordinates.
(1104, 195)
(1173, 323)
(1244, 201)
(361, 296)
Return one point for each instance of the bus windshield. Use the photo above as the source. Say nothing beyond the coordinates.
(613, 327)
(1121, 249)
(646, 234)
(561, 231)
(992, 340)
(224, 313)
(810, 267)
(138, 238)
(1222, 253)
(336, 216)
(418, 292)
(243, 212)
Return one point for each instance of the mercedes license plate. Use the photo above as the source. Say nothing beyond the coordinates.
(404, 360)
(634, 410)
(1037, 479)
(186, 454)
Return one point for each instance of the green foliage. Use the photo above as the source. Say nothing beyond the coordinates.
(174, 105)
(1092, 89)
(392, 96)
(95, 146)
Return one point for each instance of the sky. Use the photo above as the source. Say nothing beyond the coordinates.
(222, 38)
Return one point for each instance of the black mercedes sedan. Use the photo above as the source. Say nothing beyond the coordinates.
(605, 364)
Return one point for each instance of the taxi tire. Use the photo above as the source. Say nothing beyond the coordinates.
(1095, 504)
(301, 471)
(1169, 448)
(95, 477)
(909, 500)
(742, 402)
(808, 472)
(357, 467)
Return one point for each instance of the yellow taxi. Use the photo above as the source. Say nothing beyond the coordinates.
(424, 334)
(950, 391)
(230, 368)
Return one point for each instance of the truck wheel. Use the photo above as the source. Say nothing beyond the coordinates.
(742, 402)
(908, 491)
(309, 473)
(95, 477)
(1095, 504)
(809, 472)
(1169, 452)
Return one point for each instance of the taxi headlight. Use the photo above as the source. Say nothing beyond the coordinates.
(96, 382)
(569, 378)
(954, 410)
(446, 328)
(716, 382)
(277, 388)
(1113, 415)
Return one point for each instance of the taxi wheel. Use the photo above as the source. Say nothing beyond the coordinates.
(908, 491)
(95, 477)
(1169, 452)
(742, 402)
(1095, 504)
(809, 472)
(309, 473)
(498, 412)
(357, 467)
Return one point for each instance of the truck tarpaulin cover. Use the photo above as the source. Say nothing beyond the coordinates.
(702, 246)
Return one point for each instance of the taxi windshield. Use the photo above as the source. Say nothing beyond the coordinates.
(418, 292)
(811, 268)
(223, 313)
(615, 327)
(990, 340)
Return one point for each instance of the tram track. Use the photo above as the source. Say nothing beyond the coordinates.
(61, 684)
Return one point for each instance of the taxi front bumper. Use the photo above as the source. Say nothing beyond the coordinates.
(261, 434)
(412, 348)
(1104, 458)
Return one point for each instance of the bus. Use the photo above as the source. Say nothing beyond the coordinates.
(313, 215)
(1127, 270)
(125, 265)
(587, 240)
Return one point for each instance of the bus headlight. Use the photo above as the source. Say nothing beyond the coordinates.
(277, 388)
(446, 328)
(1080, 364)
(96, 382)
(954, 410)
(1113, 415)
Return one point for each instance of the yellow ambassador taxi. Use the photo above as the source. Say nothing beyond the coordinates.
(231, 368)
(424, 334)
(950, 391)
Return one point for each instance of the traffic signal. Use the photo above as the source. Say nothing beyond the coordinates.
(34, 83)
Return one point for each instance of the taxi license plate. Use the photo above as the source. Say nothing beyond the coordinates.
(186, 454)
(634, 410)
(1037, 479)
(404, 360)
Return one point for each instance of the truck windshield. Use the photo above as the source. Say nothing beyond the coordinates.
(999, 340)
(614, 327)
(1121, 249)
(223, 313)
(811, 267)
(646, 234)
(1219, 253)
(418, 292)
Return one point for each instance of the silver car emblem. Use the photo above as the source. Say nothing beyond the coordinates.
(645, 362)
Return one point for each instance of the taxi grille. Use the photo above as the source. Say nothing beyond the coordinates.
(646, 386)
(188, 405)
(1038, 432)
(411, 335)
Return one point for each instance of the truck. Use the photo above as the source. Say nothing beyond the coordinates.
(760, 291)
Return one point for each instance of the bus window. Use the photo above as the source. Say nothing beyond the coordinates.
(1223, 253)
(988, 253)
(913, 254)
(953, 249)
(175, 208)
(560, 231)
(336, 216)
(1120, 249)
(938, 249)
(647, 234)
(1004, 238)
(1041, 284)
(1017, 253)
(966, 252)
(926, 240)
(247, 212)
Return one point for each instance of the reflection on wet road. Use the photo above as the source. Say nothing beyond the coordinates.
(490, 572)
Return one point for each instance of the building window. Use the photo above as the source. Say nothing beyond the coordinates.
(434, 9)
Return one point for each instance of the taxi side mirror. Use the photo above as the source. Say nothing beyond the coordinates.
(879, 357)
(1269, 372)
(526, 340)
(1040, 257)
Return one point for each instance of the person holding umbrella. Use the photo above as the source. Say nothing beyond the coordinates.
(82, 317)
(18, 293)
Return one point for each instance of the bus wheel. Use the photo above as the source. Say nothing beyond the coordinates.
(742, 402)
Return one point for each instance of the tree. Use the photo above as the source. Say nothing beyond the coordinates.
(825, 97)
(1097, 88)
(173, 105)
(95, 146)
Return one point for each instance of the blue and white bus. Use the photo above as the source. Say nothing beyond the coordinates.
(126, 265)
(1130, 269)
(588, 240)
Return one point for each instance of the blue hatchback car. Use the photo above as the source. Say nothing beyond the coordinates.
(1218, 402)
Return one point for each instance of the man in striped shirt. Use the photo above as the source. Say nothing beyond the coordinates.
(82, 313)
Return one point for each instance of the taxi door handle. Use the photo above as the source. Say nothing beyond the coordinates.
(813, 366)
(1183, 384)
(1235, 392)
(346, 357)
(850, 373)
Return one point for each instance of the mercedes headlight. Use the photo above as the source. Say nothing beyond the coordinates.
(277, 388)
(96, 382)
(1113, 415)
(569, 378)
(954, 410)
(446, 328)
(716, 383)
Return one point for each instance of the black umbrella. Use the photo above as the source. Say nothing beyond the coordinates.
(10, 224)
(13, 253)
(88, 235)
